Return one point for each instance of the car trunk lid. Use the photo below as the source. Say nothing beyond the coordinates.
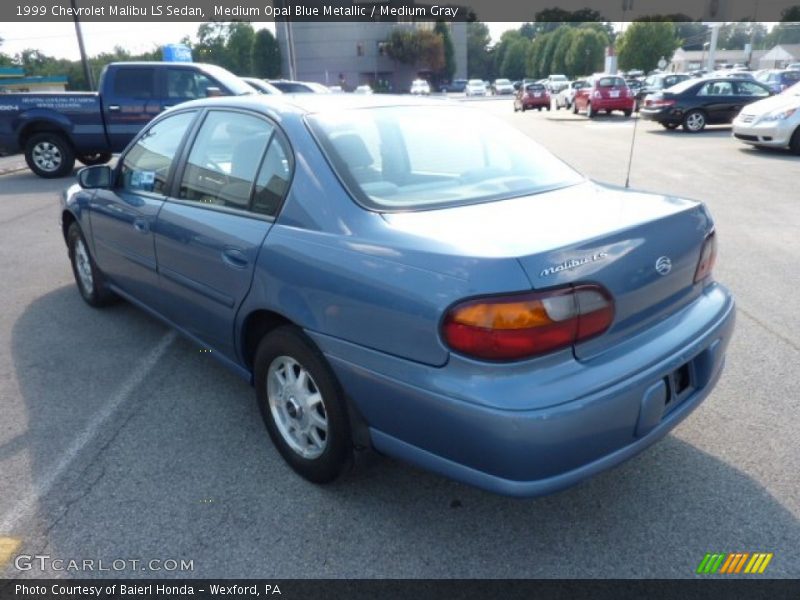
(643, 248)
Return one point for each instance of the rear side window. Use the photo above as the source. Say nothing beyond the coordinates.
(717, 88)
(134, 83)
(791, 77)
(146, 166)
(224, 159)
(273, 178)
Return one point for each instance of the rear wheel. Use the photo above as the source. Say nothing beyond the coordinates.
(574, 108)
(302, 405)
(669, 125)
(98, 158)
(589, 112)
(49, 155)
(88, 277)
(628, 113)
(694, 121)
(794, 144)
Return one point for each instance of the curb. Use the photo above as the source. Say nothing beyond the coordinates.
(10, 170)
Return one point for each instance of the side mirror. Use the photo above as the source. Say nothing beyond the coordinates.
(213, 92)
(95, 177)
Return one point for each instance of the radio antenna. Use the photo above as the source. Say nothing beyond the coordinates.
(630, 156)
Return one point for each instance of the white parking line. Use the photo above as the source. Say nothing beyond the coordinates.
(26, 505)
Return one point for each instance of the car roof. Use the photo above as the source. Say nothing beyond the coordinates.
(315, 103)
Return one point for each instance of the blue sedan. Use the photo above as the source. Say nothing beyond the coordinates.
(410, 276)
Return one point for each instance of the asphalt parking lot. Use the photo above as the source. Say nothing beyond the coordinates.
(120, 440)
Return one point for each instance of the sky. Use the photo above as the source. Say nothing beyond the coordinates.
(58, 39)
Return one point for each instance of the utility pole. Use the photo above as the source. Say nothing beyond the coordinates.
(712, 49)
(87, 72)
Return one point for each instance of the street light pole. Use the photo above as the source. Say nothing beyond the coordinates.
(87, 72)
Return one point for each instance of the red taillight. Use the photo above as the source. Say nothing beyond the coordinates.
(525, 325)
(708, 256)
(659, 103)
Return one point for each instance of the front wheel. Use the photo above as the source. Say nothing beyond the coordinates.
(49, 155)
(794, 144)
(98, 158)
(694, 121)
(88, 277)
(302, 405)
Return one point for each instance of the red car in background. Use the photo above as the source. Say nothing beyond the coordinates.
(532, 95)
(604, 93)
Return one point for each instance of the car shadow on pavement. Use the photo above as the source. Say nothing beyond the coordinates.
(770, 154)
(715, 131)
(183, 469)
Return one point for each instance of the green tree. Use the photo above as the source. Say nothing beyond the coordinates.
(564, 41)
(644, 43)
(416, 47)
(787, 31)
(513, 66)
(239, 48)
(479, 58)
(266, 56)
(586, 53)
(442, 29)
(734, 36)
(500, 49)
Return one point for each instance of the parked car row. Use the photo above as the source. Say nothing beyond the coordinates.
(762, 115)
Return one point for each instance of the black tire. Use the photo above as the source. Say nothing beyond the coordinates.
(539, 108)
(627, 113)
(548, 108)
(669, 125)
(794, 143)
(589, 112)
(100, 158)
(49, 155)
(694, 121)
(88, 277)
(289, 342)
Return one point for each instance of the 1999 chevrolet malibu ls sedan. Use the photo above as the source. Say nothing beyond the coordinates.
(386, 277)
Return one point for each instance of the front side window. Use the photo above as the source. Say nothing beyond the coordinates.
(224, 159)
(185, 84)
(748, 88)
(146, 166)
(412, 157)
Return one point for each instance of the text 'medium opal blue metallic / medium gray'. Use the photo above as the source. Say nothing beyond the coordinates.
(413, 276)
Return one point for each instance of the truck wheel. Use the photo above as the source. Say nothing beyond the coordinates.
(49, 155)
(98, 158)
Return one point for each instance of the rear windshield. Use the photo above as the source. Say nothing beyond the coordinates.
(416, 157)
(534, 87)
(610, 82)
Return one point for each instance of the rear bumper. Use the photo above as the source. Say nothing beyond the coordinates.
(536, 102)
(612, 103)
(480, 424)
(774, 133)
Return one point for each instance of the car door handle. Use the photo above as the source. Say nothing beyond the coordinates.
(234, 258)
(141, 225)
(114, 108)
